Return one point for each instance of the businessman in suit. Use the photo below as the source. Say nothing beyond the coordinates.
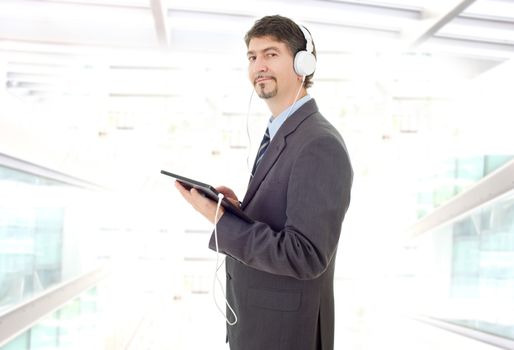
(280, 268)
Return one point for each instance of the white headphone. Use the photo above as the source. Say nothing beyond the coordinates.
(305, 61)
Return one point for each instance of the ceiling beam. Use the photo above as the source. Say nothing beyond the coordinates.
(434, 17)
(159, 13)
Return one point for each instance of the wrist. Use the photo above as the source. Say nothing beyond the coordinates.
(221, 211)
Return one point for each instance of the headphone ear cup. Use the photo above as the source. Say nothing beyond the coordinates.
(304, 63)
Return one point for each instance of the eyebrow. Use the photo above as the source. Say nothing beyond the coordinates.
(271, 48)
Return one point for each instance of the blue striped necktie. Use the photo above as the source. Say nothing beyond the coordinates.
(262, 149)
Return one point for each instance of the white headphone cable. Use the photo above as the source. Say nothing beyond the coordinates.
(248, 131)
(220, 198)
(218, 266)
(296, 97)
(287, 116)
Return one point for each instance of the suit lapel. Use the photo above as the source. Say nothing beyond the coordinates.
(277, 146)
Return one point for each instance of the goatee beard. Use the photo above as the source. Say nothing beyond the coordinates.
(265, 95)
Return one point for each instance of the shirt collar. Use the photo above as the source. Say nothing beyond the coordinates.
(275, 123)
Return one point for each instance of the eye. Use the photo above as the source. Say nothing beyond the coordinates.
(251, 58)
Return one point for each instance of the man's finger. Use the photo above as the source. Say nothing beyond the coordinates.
(184, 192)
(234, 201)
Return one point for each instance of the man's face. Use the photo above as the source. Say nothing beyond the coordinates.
(270, 68)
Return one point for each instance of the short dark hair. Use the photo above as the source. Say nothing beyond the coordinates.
(284, 30)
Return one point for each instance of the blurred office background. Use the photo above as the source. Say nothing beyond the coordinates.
(97, 249)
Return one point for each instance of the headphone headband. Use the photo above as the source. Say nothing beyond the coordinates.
(308, 47)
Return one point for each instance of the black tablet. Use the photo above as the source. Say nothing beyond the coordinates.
(209, 192)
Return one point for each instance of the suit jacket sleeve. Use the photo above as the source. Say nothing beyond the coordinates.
(318, 195)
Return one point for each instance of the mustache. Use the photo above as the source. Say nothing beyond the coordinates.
(260, 76)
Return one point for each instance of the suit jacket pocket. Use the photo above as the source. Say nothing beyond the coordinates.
(279, 300)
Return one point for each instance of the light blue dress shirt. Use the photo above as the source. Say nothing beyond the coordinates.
(275, 123)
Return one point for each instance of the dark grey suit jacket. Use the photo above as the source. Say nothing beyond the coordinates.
(280, 269)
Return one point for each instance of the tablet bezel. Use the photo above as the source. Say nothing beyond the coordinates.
(210, 192)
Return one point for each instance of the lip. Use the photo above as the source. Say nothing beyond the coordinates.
(262, 79)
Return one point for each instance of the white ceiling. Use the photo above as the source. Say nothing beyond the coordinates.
(149, 47)
(38, 36)
(219, 25)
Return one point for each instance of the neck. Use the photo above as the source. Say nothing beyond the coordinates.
(278, 105)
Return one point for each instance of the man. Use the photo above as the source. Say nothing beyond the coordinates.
(280, 269)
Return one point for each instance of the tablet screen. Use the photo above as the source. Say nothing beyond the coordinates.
(209, 192)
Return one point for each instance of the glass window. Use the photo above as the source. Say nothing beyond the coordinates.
(465, 271)
(39, 235)
(74, 326)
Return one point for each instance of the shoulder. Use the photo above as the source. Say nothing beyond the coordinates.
(307, 128)
(317, 129)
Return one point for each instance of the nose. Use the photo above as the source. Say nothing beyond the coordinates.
(260, 65)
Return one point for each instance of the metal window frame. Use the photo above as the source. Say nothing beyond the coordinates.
(38, 170)
(481, 336)
(24, 316)
(490, 187)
